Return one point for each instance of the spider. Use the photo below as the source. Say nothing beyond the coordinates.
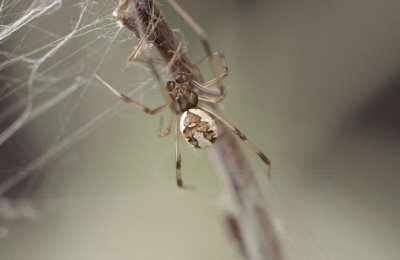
(186, 97)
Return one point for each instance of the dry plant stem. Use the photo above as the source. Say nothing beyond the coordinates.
(256, 234)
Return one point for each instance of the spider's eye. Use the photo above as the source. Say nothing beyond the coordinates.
(181, 78)
(170, 85)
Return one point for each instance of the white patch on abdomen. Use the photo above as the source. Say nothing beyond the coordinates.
(198, 128)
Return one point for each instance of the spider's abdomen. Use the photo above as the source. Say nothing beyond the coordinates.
(198, 128)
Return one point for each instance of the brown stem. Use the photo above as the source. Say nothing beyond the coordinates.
(250, 224)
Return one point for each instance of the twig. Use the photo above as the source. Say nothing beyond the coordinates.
(249, 224)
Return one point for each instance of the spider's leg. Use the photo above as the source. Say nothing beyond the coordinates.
(212, 99)
(176, 55)
(132, 102)
(178, 159)
(177, 150)
(169, 127)
(238, 133)
(146, 60)
(211, 96)
(219, 77)
(204, 40)
(136, 52)
(143, 41)
(134, 57)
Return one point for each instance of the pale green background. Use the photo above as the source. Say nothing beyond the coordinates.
(315, 84)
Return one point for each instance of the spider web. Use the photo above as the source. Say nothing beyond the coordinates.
(51, 51)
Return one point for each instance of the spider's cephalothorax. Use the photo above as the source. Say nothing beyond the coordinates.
(182, 93)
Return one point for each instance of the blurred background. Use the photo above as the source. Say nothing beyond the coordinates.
(314, 84)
